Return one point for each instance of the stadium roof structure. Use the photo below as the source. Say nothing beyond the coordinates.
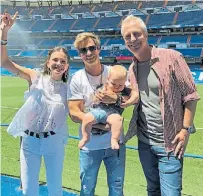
(36, 3)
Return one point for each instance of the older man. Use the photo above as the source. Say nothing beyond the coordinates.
(166, 109)
(83, 85)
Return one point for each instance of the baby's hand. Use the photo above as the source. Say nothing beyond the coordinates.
(106, 96)
(96, 100)
(125, 98)
(125, 102)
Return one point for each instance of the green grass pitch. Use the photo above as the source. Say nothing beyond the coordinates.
(12, 90)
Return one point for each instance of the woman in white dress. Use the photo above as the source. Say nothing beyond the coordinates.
(41, 121)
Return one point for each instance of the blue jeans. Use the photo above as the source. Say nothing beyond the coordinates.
(163, 171)
(114, 161)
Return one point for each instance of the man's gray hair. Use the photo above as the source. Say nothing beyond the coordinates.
(137, 20)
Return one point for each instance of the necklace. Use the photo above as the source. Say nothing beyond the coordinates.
(93, 87)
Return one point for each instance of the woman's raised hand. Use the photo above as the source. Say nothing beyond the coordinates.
(7, 22)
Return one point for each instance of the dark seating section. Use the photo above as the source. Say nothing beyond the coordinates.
(73, 53)
(62, 25)
(126, 5)
(26, 46)
(104, 7)
(82, 23)
(60, 10)
(67, 42)
(196, 39)
(153, 40)
(149, 4)
(91, 24)
(178, 3)
(81, 9)
(110, 22)
(161, 19)
(10, 10)
(24, 25)
(190, 18)
(50, 43)
(44, 44)
(41, 25)
(114, 41)
(174, 38)
(190, 52)
(40, 11)
(195, 67)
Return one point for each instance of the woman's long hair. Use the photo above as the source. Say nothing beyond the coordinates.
(47, 70)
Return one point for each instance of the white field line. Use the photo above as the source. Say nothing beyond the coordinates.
(5, 107)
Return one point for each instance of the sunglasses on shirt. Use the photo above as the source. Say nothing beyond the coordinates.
(85, 50)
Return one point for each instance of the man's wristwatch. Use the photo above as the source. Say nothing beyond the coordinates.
(189, 129)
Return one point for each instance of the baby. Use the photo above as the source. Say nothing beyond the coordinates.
(110, 113)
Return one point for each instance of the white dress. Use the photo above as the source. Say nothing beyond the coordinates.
(44, 110)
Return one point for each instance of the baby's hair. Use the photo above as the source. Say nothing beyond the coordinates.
(118, 71)
(57, 49)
